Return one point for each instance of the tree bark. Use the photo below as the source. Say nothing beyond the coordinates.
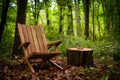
(35, 10)
(61, 20)
(5, 6)
(93, 22)
(47, 12)
(61, 15)
(99, 28)
(69, 18)
(106, 9)
(77, 16)
(21, 18)
(86, 17)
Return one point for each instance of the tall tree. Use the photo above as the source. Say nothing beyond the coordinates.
(47, 4)
(93, 21)
(61, 6)
(77, 16)
(98, 21)
(5, 5)
(21, 18)
(106, 8)
(69, 17)
(36, 7)
(86, 4)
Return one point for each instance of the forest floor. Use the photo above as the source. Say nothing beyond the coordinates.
(50, 72)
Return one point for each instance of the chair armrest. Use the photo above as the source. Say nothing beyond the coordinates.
(25, 44)
(54, 44)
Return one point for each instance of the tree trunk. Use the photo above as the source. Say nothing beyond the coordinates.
(77, 16)
(36, 11)
(106, 15)
(69, 18)
(5, 6)
(98, 22)
(93, 23)
(61, 15)
(61, 20)
(118, 13)
(86, 17)
(47, 12)
(21, 18)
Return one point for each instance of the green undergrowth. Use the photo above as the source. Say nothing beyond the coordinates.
(105, 51)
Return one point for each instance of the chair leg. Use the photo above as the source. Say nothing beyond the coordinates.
(56, 64)
(25, 61)
(30, 66)
(22, 62)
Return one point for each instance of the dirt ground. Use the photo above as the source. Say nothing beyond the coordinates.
(47, 71)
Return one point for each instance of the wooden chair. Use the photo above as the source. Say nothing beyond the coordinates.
(34, 45)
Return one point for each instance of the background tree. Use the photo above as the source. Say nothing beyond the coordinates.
(77, 16)
(21, 18)
(5, 5)
(47, 5)
(93, 20)
(61, 7)
(86, 4)
(69, 17)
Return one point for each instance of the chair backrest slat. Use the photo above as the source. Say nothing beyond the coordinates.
(35, 39)
(30, 39)
(32, 46)
(20, 29)
(26, 37)
(36, 36)
(41, 46)
(44, 38)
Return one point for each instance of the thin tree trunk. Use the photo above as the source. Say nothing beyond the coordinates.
(93, 23)
(86, 17)
(5, 6)
(61, 20)
(36, 19)
(106, 15)
(118, 13)
(36, 11)
(77, 16)
(61, 15)
(21, 18)
(70, 18)
(47, 12)
(98, 22)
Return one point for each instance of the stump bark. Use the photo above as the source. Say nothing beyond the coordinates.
(80, 57)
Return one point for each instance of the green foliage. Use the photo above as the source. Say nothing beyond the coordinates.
(105, 77)
(114, 72)
(104, 51)
(7, 40)
(72, 41)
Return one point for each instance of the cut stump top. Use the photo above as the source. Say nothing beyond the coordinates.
(80, 49)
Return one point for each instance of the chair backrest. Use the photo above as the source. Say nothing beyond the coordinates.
(35, 35)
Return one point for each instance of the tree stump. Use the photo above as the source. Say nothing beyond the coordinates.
(80, 57)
